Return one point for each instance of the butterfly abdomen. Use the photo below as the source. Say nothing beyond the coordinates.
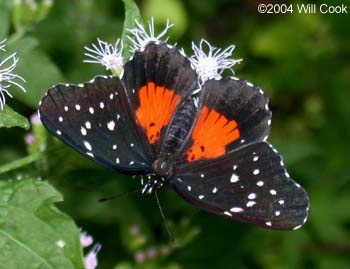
(179, 128)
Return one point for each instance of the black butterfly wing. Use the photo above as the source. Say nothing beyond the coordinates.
(97, 120)
(232, 113)
(159, 81)
(250, 185)
(225, 167)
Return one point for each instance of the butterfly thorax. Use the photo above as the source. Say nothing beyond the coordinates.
(163, 166)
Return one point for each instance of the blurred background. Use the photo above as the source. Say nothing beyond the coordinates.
(302, 63)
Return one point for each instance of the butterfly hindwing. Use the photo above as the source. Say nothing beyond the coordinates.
(158, 81)
(96, 119)
(232, 113)
(249, 184)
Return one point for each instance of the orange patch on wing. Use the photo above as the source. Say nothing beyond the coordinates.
(212, 132)
(157, 105)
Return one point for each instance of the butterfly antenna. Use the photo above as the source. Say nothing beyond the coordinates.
(171, 236)
(105, 199)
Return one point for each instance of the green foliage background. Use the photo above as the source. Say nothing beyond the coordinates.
(302, 63)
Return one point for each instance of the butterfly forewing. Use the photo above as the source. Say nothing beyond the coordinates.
(96, 119)
(249, 184)
(158, 80)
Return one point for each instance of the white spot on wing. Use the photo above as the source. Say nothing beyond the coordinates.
(256, 171)
(250, 203)
(214, 190)
(297, 227)
(87, 145)
(234, 178)
(260, 183)
(236, 209)
(83, 130)
(88, 125)
(102, 105)
(90, 154)
(273, 192)
(111, 125)
(91, 110)
(201, 197)
(60, 119)
(77, 107)
(252, 196)
(268, 223)
(58, 132)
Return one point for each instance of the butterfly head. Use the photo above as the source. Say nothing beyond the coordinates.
(153, 183)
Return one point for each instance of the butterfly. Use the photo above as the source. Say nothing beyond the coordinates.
(212, 150)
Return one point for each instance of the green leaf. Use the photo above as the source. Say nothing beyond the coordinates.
(39, 72)
(4, 22)
(33, 232)
(132, 13)
(10, 118)
(5, 12)
(35, 67)
(23, 45)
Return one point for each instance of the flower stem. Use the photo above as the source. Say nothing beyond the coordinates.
(17, 35)
(26, 160)
(21, 162)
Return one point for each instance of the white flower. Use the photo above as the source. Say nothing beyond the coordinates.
(7, 77)
(211, 65)
(140, 37)
(106, 54)
(90, 260)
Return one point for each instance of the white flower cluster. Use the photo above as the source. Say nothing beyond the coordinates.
(208, 61)
(7, 77)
